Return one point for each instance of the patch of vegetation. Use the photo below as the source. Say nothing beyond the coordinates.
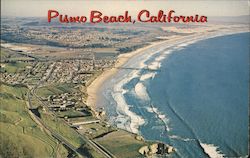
(13, 66)
(56, 89)
(59, 126)
(14, 91)
(8, 55)
(122, 144)
(62, 151)
(131, 48)
(69, 114)
(89, 152)
(20, 136)
(35, 102)
(4, 55)
(83, 119)
(97, 129)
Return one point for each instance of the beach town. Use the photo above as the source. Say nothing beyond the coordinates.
(57, 58)
(55, 74)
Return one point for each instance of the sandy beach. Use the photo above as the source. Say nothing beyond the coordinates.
(213, 150)
(93, 88)
(121, 60)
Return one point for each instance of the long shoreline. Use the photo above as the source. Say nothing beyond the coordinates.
(122, 59)
(209, 149)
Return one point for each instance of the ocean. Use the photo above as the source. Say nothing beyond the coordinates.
(192, 95)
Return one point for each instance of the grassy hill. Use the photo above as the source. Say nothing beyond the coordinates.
(20, 136)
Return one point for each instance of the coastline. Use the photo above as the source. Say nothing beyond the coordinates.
(93, 88)
(122, 59)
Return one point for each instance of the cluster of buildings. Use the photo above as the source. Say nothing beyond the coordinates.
(65, 101)
(75, 37)
(77, 71)
(122, 39)
(65, 71)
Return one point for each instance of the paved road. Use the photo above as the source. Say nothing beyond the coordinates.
(54, 134)
(60, 138)
(92, 143)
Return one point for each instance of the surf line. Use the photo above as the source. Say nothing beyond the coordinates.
(159, 117)
(194, 135)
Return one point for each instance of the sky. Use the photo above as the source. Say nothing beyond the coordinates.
(39, 8)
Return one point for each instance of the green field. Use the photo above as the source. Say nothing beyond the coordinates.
(55, 90)
(122, 144)
(96, 129)
(59, 126)
(13, 67)
(78, 119)
(20, 136)
(10, 55)
(69, 113)
(4, 55)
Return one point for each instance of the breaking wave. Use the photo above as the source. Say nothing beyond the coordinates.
(150, 75)
(126, 119)
(141, 91)
(212, 151)
(154, 65)
(129, 120)
(180, 138)
(162, 117)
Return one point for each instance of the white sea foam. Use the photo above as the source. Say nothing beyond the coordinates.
(150, 109)
(193, 41)
(142, 64)
(180, 138)
(167, 52)
(119, 86)
(149, 55)
(126, 119)
(154, 65)
(160, 58)
(212, 150)
(146, 76)
(184, 44)
(161, 116)
(124, 91)
(141, 91)
(131, 121)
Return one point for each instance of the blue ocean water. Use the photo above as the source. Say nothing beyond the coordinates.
(193, 96)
